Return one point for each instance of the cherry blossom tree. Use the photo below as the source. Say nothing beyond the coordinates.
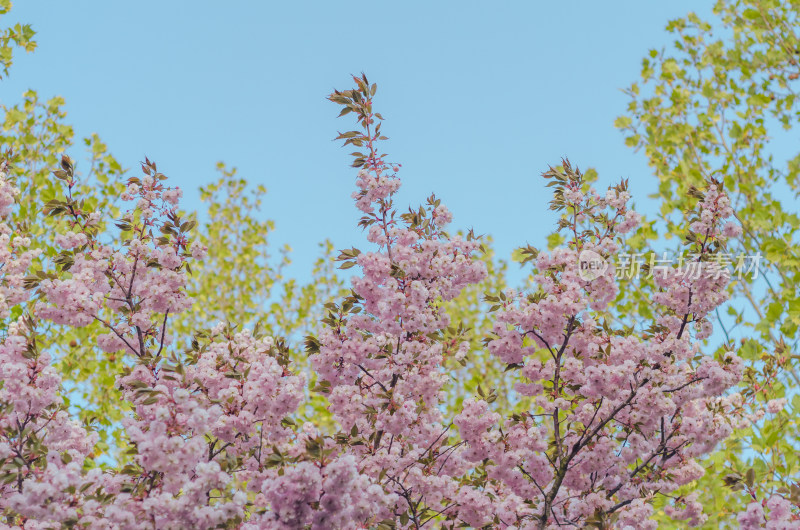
(605, 418)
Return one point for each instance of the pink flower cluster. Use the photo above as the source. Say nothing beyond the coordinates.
(14, 259)
(131, 291)
(42, 450)
(210, 432)
(616, 417)
(383, 368)
(779, 517)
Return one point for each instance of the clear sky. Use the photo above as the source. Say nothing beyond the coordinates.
(478, 98)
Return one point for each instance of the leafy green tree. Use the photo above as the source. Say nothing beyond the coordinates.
(18, 36)
(721, 103)
(239, 250)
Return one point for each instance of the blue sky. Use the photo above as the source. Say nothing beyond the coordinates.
(478, 98)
